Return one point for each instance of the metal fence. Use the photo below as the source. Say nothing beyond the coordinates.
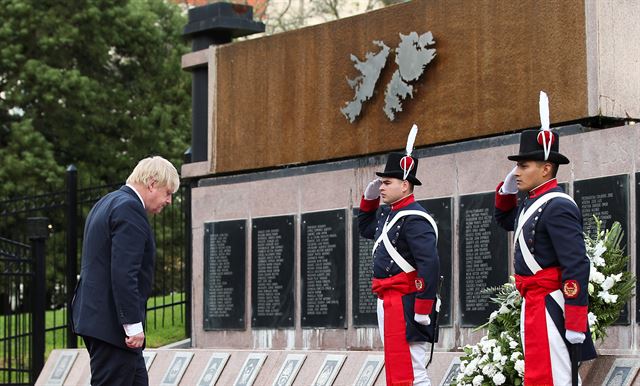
(67, 211)
(16, 272)
(22, 310)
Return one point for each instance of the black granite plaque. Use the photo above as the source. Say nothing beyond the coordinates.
(272, 275)
(605, 197)
(440, 210)
(484, 260)
(323, 257)
(608, 199)
(364, 301)
(224, 268)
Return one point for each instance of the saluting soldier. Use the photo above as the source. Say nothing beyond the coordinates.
(551, 265)
(405, 267)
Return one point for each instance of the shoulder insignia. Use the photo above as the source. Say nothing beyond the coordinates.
(571, 289)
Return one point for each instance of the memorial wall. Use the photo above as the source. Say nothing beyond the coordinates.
(286, 91)
(277, 259)
(301, 278)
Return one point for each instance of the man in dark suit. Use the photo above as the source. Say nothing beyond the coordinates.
(118, 257)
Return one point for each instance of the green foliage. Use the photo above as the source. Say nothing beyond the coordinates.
(26, 159)
(96, 83)
(165, 325)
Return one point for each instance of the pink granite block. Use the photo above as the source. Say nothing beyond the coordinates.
(438, 176)
(601, 152)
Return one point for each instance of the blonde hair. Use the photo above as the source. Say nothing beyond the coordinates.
(155, 169)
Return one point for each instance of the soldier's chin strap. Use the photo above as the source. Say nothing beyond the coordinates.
(436, 327)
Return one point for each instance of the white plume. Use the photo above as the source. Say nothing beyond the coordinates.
(544, 111)
(412, 138)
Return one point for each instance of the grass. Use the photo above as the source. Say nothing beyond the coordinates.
(164, 325)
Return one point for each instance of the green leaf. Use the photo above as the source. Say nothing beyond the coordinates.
(100, 83)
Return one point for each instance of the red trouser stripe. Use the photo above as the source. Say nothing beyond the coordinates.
(537, 355)
(397, 354)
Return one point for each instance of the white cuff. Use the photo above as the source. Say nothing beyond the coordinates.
(133, 329)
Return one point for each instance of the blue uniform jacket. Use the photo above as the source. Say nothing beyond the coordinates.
(414, 238)
(118, 257)
(555, 238)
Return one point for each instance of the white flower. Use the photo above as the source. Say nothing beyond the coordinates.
(487, 344)
(597, 252)
(596, 276)
(499, 379)
(459, 377)
(519, 366)
(607, 297)
(489, 370)
(497, 356)
(591, 288)
(493, 315)
(515, 355)
(477, 380)
(503, 309)
(592, 318)
(617, 277)
(513, 344)
(598, 261)
(608, 283)
(471, 367)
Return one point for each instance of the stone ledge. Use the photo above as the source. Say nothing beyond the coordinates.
(195, 169)
(593, 372)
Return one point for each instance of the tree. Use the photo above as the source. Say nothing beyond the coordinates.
(96, 83)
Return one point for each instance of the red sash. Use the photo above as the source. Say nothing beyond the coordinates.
(398, 366)
(537, 357)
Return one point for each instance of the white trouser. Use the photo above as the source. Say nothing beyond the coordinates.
(418, 350)
(560, 360)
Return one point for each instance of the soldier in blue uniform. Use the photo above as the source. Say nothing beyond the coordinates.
(405, 268)
(551, 265)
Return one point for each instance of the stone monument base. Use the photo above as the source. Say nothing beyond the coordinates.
(201, 367)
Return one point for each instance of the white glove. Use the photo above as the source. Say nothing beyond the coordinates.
(422, 319)
(510, 186)
(372, 191)
(574, 337)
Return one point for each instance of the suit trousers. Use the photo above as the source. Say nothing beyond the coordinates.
(115, 366)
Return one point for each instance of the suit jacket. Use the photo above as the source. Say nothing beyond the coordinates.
(118, 257)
